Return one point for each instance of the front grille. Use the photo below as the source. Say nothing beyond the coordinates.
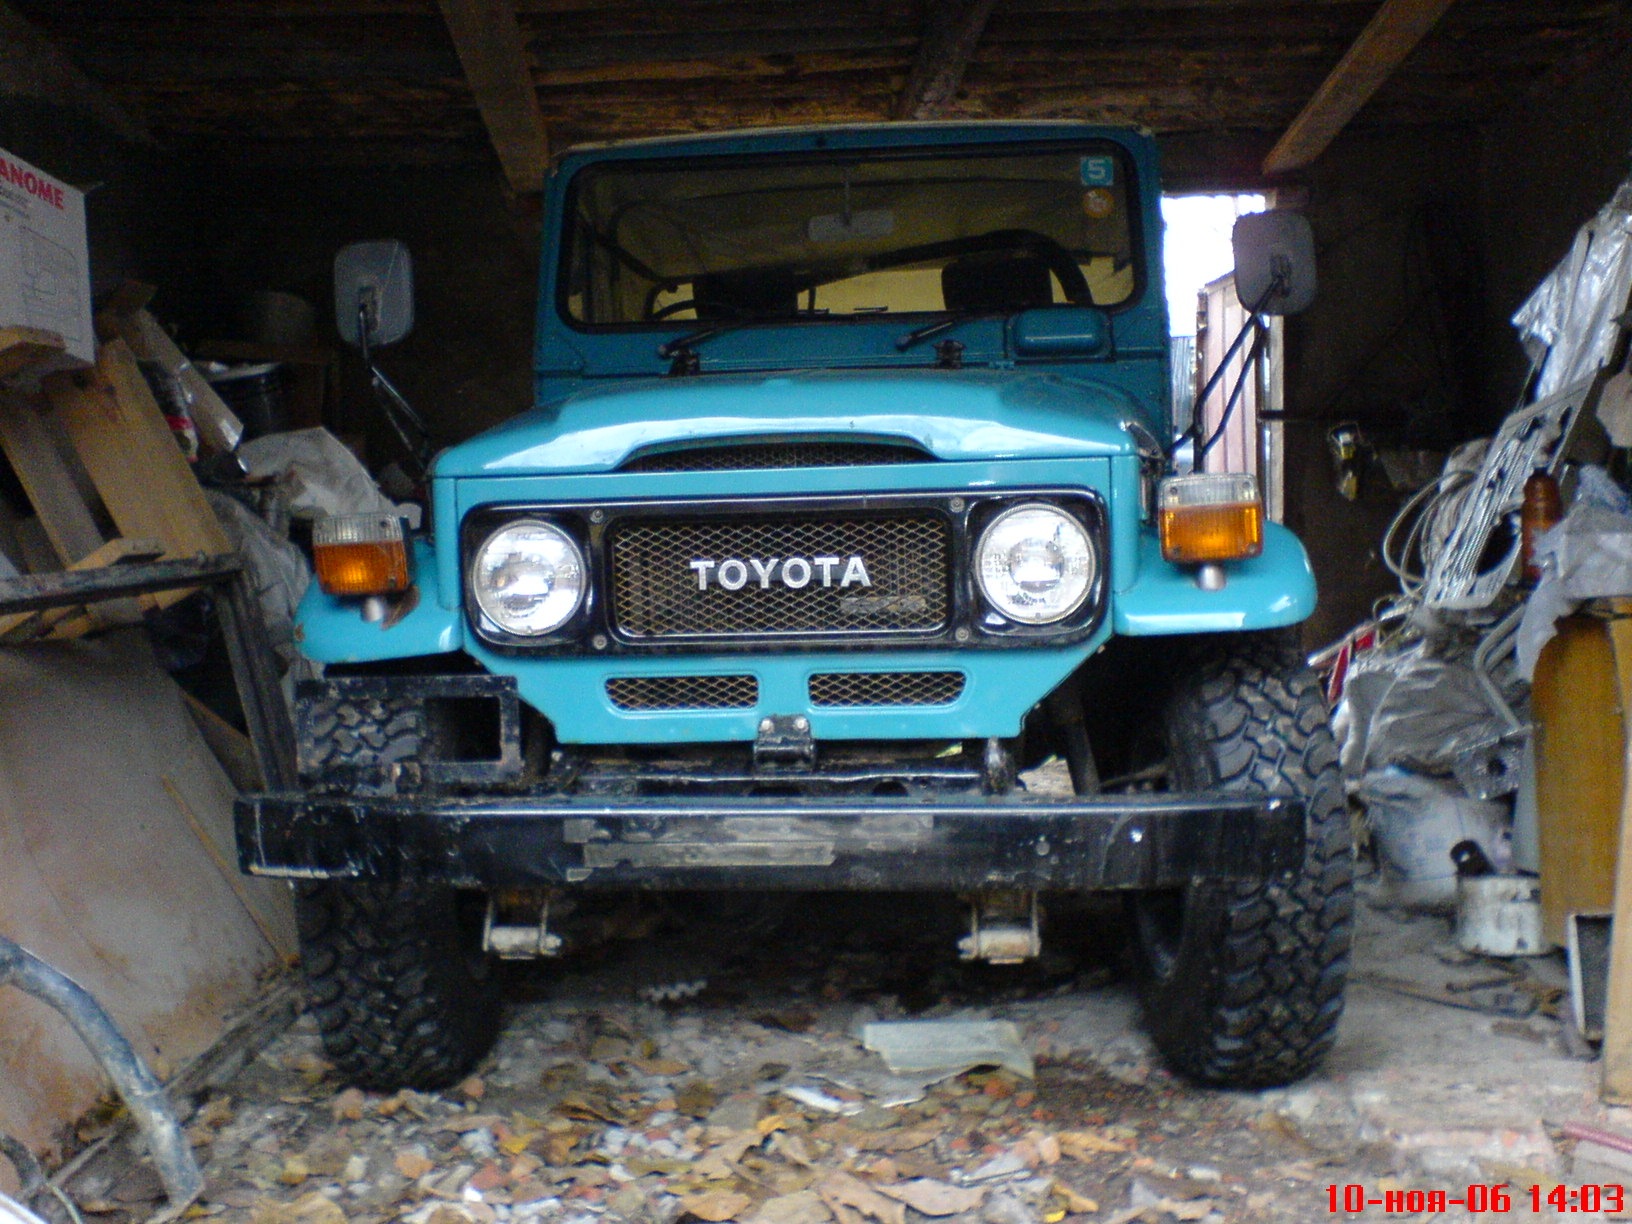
(885, 688)
(683, 692)
(757, 455)
(657, 594)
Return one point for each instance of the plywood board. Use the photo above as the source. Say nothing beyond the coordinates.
(107, 876)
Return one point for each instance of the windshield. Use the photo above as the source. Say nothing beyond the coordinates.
(771, 237)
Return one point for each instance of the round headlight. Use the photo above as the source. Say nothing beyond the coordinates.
(1035, 564)
(528, 577)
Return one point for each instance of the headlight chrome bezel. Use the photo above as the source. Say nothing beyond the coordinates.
(487, 603)
(1087, 582)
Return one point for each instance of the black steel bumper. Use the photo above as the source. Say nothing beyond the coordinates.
(1114, 842)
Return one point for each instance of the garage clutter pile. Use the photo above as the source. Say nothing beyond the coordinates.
(1432, 696)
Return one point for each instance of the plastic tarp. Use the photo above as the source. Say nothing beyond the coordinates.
(1587, 556)
(319, 475)
(1569, 320)
(277, 570)
(1418, 706)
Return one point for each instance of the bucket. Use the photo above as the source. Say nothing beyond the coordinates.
(1416, 820)
(1499, 915)
(256, 393)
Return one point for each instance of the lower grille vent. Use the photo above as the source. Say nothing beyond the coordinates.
(683, 692)
(885, 688)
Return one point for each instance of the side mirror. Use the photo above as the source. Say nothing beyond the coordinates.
(373, 293)
(1274, 262)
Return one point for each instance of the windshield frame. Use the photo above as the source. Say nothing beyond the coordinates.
(1082, 143)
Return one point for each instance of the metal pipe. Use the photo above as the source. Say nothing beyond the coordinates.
(143, 1094)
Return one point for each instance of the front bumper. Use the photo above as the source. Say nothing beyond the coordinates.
(1111, 842)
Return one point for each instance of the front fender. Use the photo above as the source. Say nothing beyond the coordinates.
(1274, 589)
(332, 630)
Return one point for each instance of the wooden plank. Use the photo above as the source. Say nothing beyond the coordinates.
(488, 39)
(26, 438)
(115, 425)
(219, 429)
(1579, 732)
(952, 28)
(1616, 1083)
(25, 347)
(123, 442)
(1390, 36)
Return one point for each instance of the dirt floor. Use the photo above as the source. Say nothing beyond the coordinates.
(702, 1062)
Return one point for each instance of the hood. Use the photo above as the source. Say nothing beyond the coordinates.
(962, 415)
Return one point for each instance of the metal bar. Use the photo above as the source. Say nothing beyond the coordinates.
(1125, 841)
(142, 1093)
(33, 592)
(260, 692)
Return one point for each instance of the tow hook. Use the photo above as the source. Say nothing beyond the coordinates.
(1003, 929)
(511, 940)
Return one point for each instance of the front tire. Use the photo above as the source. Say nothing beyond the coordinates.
(397, 982)
(1242, 981)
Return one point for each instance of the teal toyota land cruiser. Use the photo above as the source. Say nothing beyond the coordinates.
(847, 498)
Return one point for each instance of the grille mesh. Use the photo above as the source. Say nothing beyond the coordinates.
(774, 455)
(885, 688)
(683, 692)
(655, 592)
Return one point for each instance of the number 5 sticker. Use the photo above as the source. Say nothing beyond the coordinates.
(1098, 171)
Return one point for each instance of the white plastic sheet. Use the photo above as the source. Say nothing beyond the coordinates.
(1419, 707)
(1569, 320)
(1587, 556)
(320, 476)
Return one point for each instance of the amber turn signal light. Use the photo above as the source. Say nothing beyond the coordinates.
(360, 554)
(1211, 518)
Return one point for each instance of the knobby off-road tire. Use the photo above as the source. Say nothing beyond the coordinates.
(396, 980)
(1242, 983)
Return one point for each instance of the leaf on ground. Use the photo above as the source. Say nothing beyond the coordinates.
(663, 1067)
(696, 1097)
(474, 1088)
(1084, 1145)
(413, 1165)
(584, 1107)
(792, 1148)
(803, 1207)
(716, 1205)
(348, 1106)
(897, 1140)
(472, 1122)
(841, 1190)
(314, 1208)
(935, 1198)
(1076, 1204)
(1048, 1148)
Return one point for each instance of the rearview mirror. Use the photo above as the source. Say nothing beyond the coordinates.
(1274, 262)
(373, 293)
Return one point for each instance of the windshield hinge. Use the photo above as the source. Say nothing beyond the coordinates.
(949, 355)
(685, 361)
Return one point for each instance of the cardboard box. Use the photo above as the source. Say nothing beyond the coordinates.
(45, 279)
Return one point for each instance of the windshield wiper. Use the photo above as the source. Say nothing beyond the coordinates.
(920, 334)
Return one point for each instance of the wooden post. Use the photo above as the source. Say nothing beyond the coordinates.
(1616, 1086)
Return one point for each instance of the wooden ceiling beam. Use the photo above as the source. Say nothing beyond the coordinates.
(32, 66)
(1391, 35)
(488, 40)
(952, 28)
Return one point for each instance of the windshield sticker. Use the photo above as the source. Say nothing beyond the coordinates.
(1098, 203)
(1098, 171)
